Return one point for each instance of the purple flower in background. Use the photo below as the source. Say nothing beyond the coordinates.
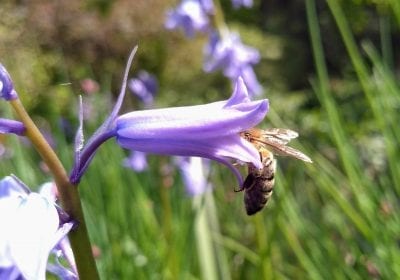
(209, 131)
(207, 5)
(194, 172)
(190, 16)
(239, 3)
(250, 79)
(6, 85)
(234, 58)
(31, 228)
(145, 87)
(136, 161)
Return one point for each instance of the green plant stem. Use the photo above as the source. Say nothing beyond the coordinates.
(68, 195)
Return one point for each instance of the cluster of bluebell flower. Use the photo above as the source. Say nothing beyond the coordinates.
(209, 131)
(224, 51)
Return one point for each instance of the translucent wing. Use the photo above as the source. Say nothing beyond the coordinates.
(279, 135)
(276, 140)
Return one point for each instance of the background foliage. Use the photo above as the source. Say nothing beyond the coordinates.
(330, 70)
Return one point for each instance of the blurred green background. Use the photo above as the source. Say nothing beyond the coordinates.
(330, 71)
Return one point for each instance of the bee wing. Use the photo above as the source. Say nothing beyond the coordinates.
(281, 149)
(279, 135)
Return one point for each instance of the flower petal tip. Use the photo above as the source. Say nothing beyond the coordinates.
(6, 85)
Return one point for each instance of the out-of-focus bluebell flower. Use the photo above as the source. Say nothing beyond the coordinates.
(11, 126)
(207, 5)
(229, 54)
(194, 171)
(145, 87)
(209, 131)
(190, 16)
(31, 228)
(242, 3)
(7, 90)
(136, 161)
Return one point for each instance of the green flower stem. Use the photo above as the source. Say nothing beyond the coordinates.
(218, 19)
(68, 194)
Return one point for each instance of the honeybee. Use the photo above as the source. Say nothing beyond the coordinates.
(259, 183)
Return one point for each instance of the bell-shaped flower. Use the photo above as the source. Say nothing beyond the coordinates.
(210, 131)
(7, 90)
(31, 228)
(189, 16)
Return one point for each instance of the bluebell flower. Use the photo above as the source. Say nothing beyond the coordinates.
(229, 54)
(194, 171)
(30, 228)
(145, 87)
(210, 131)
(10, 126)
(190, 16)
(242, 3)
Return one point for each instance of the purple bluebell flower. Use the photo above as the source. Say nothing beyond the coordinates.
(136, 161)
(209, 131)
(190, 16)
(145, 87)
(229, 54)
(11, 126)
(7, 90)
(31, 228)
(242, 3)
(194, 171)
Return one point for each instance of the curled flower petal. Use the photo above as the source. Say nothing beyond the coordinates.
(209, 131)
(6, 85)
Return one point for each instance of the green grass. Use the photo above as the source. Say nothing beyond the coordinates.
(337, 218)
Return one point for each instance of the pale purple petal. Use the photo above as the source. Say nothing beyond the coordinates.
(31, 237)
(12, 186)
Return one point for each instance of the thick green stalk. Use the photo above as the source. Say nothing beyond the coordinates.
(68, 195)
